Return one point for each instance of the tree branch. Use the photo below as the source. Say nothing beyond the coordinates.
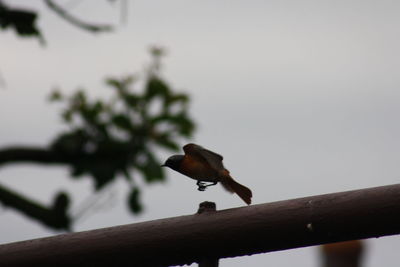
(75, 21)
(32, 154)
(54, 216)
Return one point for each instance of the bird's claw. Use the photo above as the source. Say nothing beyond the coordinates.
(202, 186)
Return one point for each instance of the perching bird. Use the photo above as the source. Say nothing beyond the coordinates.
(206, 166)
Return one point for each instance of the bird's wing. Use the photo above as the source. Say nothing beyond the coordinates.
(212, 158)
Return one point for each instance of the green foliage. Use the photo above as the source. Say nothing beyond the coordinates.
(134, 201)
(106, 138)
(118, 136)
(21, 20)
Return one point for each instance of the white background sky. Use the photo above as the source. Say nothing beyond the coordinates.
(301, 97)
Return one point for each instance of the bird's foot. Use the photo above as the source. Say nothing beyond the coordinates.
(202, 186)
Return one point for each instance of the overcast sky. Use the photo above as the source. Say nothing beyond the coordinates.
(301, 97)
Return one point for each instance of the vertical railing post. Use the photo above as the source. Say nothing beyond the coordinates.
(343, 254)
(207, 207)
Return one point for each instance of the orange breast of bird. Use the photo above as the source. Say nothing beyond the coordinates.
(198, 169)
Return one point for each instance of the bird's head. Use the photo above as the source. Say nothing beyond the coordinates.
(173, 162)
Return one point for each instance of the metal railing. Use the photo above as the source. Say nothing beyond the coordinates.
(211, 234)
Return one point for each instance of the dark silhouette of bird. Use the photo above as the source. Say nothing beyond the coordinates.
(204, 165)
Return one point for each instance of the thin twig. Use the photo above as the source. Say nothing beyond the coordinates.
(75, 21)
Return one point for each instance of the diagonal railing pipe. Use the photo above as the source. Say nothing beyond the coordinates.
(308, 221)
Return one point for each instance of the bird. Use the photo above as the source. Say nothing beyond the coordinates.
(204, 165)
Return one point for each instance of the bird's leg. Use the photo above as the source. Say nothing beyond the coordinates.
(214, 183)
(202, 185)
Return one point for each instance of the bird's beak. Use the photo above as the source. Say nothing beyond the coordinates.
(163, 165)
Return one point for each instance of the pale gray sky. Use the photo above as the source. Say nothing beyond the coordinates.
(301, 98)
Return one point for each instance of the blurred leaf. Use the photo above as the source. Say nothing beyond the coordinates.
(122, 121)
(157, 51)
(151, 168)
(55, 96)
(61, 202)
(103, 174)
(121, 84)
(178, 98)
(21, 20)
(67, 115)
(126, 174)
(185, 125)
(115, 83)
(165, 140)
(132, 101)
(181, 121)
(98, 107)
(71, 143)
(78, 170)
(156, 87)
(78, 100)
(134, 201)
(91, 112)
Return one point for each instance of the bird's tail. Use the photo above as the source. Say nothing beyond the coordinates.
(234, 187)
